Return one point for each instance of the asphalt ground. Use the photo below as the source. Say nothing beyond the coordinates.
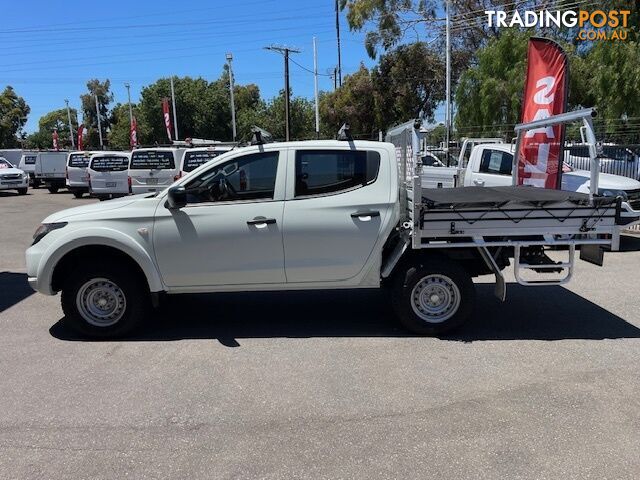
(322, 384)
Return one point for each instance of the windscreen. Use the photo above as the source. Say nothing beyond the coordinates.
(5, 164)
(156, 159)
(193, 160)
(110, 164)
(29, 159)
(80, 160)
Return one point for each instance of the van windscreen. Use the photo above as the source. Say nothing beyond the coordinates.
(79, 160)
(193, 160)
(109, 164)
(160, 160)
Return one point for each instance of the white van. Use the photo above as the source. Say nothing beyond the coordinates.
(108, 175)
(194, 157)
(28, 165)
(154, 169)
(51, 170)
(77, 177)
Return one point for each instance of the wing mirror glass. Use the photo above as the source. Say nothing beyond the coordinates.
(177, 197)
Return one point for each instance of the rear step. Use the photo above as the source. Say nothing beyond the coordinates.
(537, 261)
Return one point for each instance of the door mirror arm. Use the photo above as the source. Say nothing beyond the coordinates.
(176, 198)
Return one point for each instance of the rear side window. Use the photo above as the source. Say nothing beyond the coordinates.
(160, 160)
(79, 160)
(29, 159)
(496, 162)
(109, 164)
(328, 171)
(193, 160)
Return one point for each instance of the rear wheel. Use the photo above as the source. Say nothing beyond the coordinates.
(433, 297)
(77, 194)
(53, 189)
(22, 191)
(104, 301)
(36, 183)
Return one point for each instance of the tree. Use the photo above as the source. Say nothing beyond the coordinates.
(54, 120)
(354, 103)
(90, 120)
(13, 116)
(120, 129)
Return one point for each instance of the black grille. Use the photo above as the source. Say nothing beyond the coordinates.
(11, 176)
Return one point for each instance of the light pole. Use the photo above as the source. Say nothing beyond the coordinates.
(73, 142)
(99, 124)
(229, 57)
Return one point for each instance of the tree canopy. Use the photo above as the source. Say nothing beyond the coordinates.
(13, 116)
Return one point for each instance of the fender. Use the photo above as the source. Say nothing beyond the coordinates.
(97, 236)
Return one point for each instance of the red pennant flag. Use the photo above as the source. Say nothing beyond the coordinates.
(80, 142)
(545, 94)
(133, 133)
(56, 144)
(167, 116)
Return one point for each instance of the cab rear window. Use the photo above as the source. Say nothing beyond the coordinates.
(79, 160)
(159, 160)
(30, 160)
(109, 164)
(193, 160)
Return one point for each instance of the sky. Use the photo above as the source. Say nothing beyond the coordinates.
(48, 50)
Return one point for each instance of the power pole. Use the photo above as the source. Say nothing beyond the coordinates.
(447, 115)
(173, 103)
(233, 106)
(338, 38)
(99, 124)
(128, 87)
(73, 142)
(315, 86)
(285, 51)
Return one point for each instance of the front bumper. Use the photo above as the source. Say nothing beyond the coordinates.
(10, 185)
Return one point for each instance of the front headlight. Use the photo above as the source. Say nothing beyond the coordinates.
(613, 193)
(45, 228)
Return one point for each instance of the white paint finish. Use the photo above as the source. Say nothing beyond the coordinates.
(153, 179)
(51, 164)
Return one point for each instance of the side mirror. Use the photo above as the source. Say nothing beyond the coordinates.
(176, 198)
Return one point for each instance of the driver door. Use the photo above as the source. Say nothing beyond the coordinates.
(229, 233)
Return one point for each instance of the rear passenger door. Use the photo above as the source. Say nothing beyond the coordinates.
(337, 202)
(494, 169)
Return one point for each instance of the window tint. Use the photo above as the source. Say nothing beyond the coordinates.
(249, 177)
(112, 163)
(158, 159)
(579, 151)
(79, 160)
(328, 171)
(29, 159)
(193, 160)
(496, 161)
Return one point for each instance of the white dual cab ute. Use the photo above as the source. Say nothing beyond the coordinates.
(312, 215)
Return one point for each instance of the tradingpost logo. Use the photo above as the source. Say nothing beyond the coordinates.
(592, 25)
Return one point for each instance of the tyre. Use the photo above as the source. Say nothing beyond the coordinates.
(22, 191)
(53, 189)
(433, 297)
(36, 183)
(104, 301)
(77, 194)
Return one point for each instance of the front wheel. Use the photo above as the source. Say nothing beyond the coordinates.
(22, 191)
(104, 301)
(433, 297)
(53, 189)
(77, 194)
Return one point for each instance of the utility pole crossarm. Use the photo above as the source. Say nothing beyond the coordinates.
(285, 51)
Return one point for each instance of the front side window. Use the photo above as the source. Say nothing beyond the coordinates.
(250, 177)
(110, 164)
(321, 172)
(152, 159)
(496, 162)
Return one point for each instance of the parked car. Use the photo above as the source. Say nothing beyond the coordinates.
(28, 165)
(12, 178)
(108, 175)
(309, 215)
(51, 170)
(613, 159)
(154, 169)
(77, 179)
(194, 157)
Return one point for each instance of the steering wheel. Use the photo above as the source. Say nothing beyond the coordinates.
(227, 189)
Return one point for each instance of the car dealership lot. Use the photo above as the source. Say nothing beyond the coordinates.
(322, 384)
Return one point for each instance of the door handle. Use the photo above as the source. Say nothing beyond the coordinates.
(478, 182)
(261, 222)
(365, 216)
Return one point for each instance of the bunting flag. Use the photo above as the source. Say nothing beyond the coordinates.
(80, 142)
(56, 144)
(167, 116)
(133, 133)
(545, 94)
